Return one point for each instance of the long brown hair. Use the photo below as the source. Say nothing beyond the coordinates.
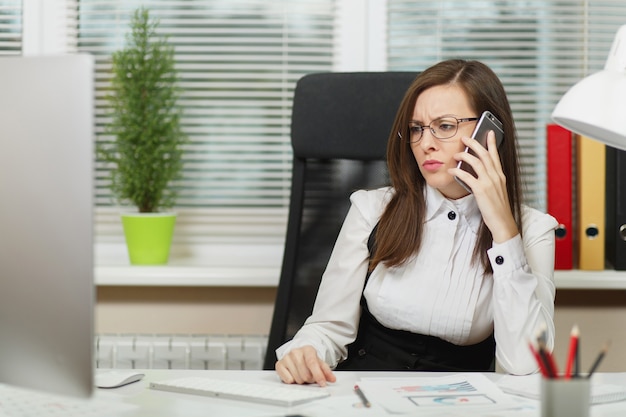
(399, 232)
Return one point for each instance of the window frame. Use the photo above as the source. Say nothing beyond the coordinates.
(229, 257)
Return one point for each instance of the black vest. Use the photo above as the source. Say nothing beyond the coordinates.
(378, 348)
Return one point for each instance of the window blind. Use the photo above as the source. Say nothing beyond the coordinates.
(10, 27)
(238, 62)
(538, 48)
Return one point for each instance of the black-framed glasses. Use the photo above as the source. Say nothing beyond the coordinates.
(442, 128)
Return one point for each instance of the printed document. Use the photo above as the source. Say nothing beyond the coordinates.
(459, 391)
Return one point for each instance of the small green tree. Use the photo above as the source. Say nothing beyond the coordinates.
(146, 153)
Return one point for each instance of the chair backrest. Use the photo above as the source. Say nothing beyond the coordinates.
(339, 130)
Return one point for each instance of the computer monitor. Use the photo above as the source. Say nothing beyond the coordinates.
(46, 229)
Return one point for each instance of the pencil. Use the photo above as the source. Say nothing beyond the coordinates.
(549, 362)
(546, 355)
(596, 363)
(542, 335)
(554, 370)
(577, 359)
(362, 396)
(572, 353)
(539, 359)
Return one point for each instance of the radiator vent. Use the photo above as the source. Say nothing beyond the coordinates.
(145, 351)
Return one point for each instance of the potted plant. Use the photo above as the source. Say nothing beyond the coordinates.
(145, 155)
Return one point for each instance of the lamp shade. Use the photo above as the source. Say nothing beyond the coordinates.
(596, 106)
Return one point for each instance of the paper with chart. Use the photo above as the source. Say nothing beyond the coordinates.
(405, 395)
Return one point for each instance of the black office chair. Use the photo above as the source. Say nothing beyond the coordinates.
(339, 130)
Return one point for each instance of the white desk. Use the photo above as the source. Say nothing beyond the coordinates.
(153, 403)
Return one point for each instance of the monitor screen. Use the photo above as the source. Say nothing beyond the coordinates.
(46, 228)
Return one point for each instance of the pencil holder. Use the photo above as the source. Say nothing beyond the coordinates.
(565, 397)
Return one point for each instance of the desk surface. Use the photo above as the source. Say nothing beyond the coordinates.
(144, 402)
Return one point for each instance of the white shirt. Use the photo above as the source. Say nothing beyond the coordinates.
(438, 292)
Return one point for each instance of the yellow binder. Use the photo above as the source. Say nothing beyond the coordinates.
(591, 177)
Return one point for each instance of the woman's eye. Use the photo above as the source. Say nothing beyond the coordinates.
(446, 127)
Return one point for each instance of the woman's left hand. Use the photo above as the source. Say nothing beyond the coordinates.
(489, 188)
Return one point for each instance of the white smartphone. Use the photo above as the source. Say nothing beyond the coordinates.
(486, 123)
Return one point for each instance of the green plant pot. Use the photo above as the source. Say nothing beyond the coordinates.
(148, 237)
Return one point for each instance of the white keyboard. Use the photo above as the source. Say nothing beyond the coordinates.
(17, 402)
(269, 394)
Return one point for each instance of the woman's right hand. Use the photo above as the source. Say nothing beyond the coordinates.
(303, 366)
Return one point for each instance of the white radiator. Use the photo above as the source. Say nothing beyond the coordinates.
(180, 351)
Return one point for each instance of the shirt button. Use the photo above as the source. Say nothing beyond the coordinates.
(451, 215)
(499, 260)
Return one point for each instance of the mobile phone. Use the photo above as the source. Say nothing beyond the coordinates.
(486, 123)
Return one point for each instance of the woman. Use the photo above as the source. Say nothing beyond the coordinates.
(449, 277)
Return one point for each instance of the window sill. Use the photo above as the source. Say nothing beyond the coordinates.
(217, 264)
(181, 275)
(591, 280)
(267, 276)
(258, 265)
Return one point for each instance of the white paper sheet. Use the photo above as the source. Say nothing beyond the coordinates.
(409, 394)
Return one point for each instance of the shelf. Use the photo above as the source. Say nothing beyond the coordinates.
(267, 276)
(591, 280)
(224, 265)
(184, 276)
(216, 264)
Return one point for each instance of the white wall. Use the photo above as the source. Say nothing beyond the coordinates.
(601, 316)
(184, 310)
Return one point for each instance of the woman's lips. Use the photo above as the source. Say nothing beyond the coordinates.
(432, 165)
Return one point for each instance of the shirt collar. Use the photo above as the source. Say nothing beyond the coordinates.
(466, 206)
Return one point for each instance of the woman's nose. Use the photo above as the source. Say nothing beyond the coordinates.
(428, 139)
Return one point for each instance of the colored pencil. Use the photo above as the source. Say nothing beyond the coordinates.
(362, 396)
(596, 363)
(572, 353)
(539, 359)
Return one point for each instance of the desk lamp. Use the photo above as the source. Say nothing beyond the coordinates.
(596, 106)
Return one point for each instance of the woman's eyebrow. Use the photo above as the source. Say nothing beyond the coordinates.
(434, 118)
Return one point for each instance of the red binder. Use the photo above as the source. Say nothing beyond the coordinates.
(560, 191)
